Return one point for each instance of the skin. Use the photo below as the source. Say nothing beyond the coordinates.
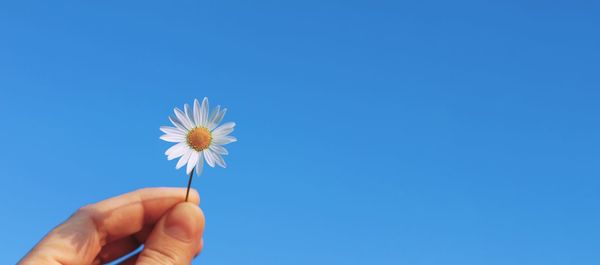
(170, 229)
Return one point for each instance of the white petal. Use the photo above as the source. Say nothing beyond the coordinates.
(177, 124)
(218, 149)
(224, 129)
(218, 159)
(197, 112)
(173, 138)
(223, 140)
(184, 159)
(209, 158)
(183, 119)
(192, 162)
(172, 130)
(217, 119)
(189, 115)
(211, 117)
(177, 150)
(200, 164)
(204, 112)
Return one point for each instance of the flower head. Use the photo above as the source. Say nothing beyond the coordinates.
(197, 136)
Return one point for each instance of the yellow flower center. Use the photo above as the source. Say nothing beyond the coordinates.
(199, 138)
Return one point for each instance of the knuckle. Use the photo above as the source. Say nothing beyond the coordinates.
(84, 211)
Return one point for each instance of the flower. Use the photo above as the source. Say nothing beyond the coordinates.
(197, 136)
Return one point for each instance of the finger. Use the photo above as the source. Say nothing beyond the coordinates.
(199, 248)
(129, 213)
(79, 239)
(175, 238)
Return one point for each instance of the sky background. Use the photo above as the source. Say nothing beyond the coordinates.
(370, 132)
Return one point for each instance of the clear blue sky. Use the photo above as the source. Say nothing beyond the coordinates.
(370, 132)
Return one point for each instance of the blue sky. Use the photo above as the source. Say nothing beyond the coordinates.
(370, 132)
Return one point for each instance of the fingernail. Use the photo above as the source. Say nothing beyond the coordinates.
(180, 224)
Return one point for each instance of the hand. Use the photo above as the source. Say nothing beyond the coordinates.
(170, 229)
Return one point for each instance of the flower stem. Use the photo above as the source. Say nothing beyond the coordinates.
(187, 193)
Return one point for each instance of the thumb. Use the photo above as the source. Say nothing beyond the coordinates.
(176, 238)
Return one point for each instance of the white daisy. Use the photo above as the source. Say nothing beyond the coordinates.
(197, 136)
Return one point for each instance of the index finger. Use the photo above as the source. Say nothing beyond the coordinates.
(128, 213)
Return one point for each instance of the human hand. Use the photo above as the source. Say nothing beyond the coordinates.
(170, 229)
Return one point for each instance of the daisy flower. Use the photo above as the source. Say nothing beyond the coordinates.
(198, 136)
